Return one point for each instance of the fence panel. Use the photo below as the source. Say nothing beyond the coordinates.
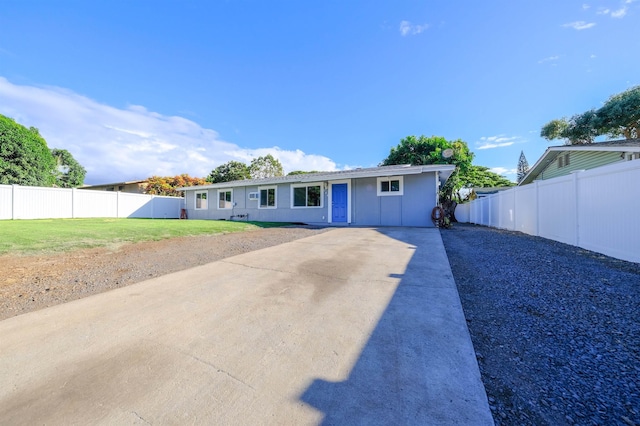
(595, 209)
(526, 201)
(87, 203)
(507, 213)
(556, 209)
(608, 206)
(30, 202)
(6, 202)
(463, 212)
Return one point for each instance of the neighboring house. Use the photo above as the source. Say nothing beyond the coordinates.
(378, 196)
(481, 192)
(134, 186)
(562, 160)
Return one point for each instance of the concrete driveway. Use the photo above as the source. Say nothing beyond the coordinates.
(351, 326)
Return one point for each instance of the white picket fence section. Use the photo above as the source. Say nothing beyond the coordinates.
(597, 209)
(30, 202)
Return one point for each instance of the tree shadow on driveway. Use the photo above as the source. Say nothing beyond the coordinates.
(418, 366)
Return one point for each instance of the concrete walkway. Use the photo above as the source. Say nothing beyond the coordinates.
(351, 326)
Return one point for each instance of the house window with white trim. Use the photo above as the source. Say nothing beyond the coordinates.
(268, 197)
(225, 199)
(306, 195)
(201, 200)
(393, 185)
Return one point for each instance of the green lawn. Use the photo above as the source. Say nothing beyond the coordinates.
(58, 235)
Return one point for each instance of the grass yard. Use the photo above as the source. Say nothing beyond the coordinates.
(58, 235)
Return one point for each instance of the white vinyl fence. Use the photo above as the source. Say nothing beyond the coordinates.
(30, 202)
(596, 209)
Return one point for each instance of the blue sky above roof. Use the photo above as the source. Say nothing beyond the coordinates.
(166, 87)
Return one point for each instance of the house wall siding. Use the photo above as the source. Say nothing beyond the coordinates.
(413, 208)
(282, 213)
(579, 161)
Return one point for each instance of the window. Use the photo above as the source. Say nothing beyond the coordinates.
(201, 200)
(563, 160)
(268, 197)
(253, 196)
(390, 186)
(225, 199)
(306, 195)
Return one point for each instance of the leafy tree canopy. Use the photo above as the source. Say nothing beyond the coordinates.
(619, 116)
(166, 185)
(481, 177)
(68, 172)
(25, 158)
(227, 172)
(422, 150)
(301, 172)
(265, 167)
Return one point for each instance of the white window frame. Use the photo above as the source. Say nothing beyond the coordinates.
(254, 196)
(206, 199)
(307, 185)
(275, 197)
(389, 179)
(228, 204)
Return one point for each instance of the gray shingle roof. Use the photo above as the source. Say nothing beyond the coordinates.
(444, 169)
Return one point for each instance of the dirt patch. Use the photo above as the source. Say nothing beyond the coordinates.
(29, 283)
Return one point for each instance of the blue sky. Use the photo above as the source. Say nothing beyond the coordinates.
(136, 88)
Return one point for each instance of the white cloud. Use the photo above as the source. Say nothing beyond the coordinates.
(499, 141)
(407, 28)
(133, 143)
(504, 171)
(549, 59)
(603, 11)
(585, 6)
(620, 13)
(580, 25)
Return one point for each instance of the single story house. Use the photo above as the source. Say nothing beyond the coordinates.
(134, 186)
(379, 196)
(562, 160)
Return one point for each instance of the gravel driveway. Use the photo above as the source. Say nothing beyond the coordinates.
(555, 327)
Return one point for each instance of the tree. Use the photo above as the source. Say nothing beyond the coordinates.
(523, 167)
(481, 177)
(166, 185)
(579, 129)
(583, 128)
(424, 150)
(301, 172)
(230, 171)
(25, 158)
(68, 172)
(555, 129)
(620, 115)
(265, 167)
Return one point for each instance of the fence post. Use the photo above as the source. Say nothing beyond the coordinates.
(537, 184)
(73, 203)
(576, 208)
(118, 205)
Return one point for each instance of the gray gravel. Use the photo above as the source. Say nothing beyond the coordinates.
(555, 327)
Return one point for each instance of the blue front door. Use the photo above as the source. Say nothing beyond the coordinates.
(339, 202)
